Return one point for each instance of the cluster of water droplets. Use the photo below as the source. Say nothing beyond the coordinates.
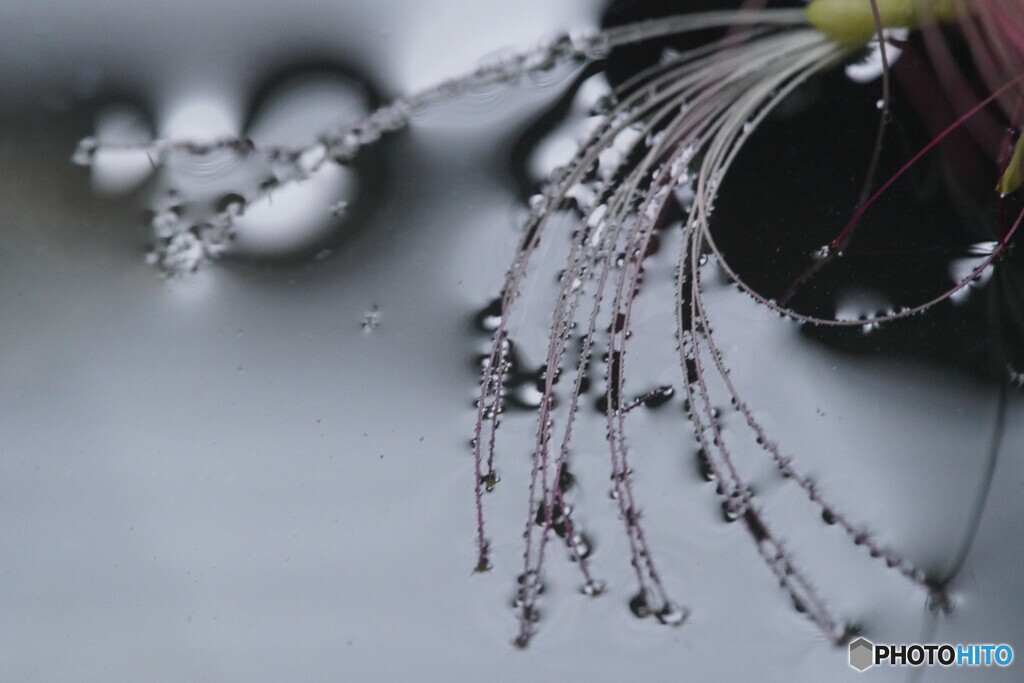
(274, 190)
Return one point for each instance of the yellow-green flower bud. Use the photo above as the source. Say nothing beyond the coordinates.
(852, 21)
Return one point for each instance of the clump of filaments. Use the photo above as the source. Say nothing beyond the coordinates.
(681, 124)
(668, 135)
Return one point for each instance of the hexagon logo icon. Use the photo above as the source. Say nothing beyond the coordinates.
(862, 654)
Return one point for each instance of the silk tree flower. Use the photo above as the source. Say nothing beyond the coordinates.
(660, 143)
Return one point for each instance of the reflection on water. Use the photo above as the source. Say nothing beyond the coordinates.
(259, 470)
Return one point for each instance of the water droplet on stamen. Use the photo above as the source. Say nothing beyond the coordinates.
(671, 615)
(639, 606)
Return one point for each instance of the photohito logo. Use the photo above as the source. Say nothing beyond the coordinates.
(865, 654)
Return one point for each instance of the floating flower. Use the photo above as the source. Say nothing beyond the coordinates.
(661, 145)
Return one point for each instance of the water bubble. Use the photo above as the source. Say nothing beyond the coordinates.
(287, 185)
(940, 601)
(671, 615)
(582, 548)
(123, 157)
(183, 252)
(704, 468)
(371, 320)
(293, 217)
(166, 223)
(960, 269)
(85, 151)
(293, 114)
(754, 524)
(565, 479)
(528, 579)
(799, 605)
(527, 397)
(639, 606)
(542, 60)
(861, 304)
(541, 518)
(231, 204)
